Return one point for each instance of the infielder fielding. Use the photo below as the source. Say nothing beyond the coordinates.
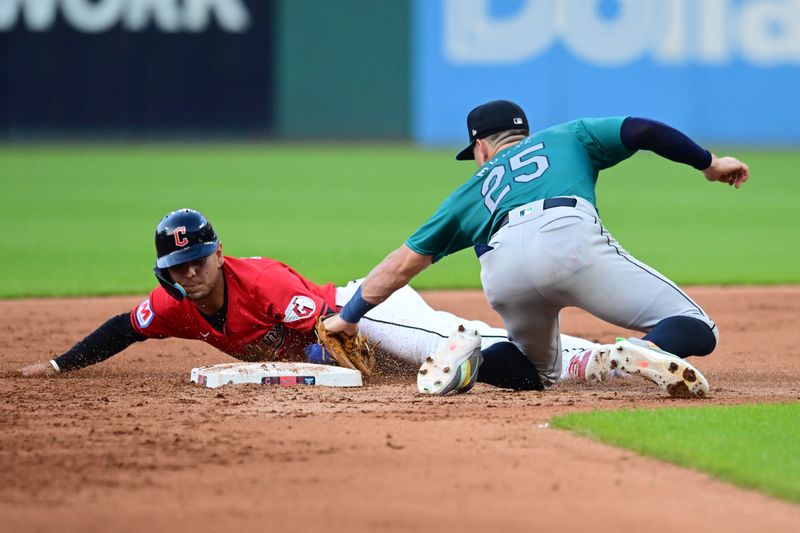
(530, 212)
(257, 309)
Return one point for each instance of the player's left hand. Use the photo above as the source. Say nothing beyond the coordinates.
(335, 324)
(39, 370)
(727, 170)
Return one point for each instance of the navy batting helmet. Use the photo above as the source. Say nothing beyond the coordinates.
(182, 236)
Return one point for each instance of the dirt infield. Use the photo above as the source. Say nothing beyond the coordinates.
(130, 445)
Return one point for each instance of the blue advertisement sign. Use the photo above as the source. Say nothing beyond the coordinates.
(724, 71)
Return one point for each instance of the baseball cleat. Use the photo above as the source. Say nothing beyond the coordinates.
(592, 365)
(673, 374)
(454, 367)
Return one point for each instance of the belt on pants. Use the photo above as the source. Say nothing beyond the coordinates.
(549, 203)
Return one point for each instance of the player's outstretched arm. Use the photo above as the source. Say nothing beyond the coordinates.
(111, 338)
(645, 134)
(394, 272)
(727, 170)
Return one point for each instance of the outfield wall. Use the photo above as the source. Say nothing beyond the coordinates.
(144, 69)
(136, 69)
(343, 69)
(724, 70)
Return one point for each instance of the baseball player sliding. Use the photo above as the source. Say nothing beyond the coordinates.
(258, 309)
(530, 213)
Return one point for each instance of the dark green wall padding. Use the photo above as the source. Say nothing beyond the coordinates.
(343, 69)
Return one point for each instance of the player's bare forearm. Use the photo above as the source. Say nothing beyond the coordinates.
(727, 170)
(391, 274)
(394, 272)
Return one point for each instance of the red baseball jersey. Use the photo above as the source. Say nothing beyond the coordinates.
(270, 315)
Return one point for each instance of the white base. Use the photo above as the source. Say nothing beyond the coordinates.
(286, 374)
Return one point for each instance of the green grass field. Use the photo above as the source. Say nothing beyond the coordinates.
(80, 219)
(754, 446)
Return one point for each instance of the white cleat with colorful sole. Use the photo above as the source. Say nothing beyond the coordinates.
(454, 367)
(674, 375)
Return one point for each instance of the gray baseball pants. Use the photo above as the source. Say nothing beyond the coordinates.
(546, 259)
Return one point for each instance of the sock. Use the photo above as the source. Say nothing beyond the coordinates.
(505, 366)
(567, 369)
(683, 336)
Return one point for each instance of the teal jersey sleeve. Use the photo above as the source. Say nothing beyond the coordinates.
(601, 139)
(441, 235)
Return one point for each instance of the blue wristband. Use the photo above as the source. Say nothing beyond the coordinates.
(356, 308)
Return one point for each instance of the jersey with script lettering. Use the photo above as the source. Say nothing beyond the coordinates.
(271, 312)
(563, 160)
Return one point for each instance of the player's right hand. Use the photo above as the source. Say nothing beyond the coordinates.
(335, 324)
(727, 170)
(39, 370)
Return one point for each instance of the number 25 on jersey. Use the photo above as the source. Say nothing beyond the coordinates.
(520, 160)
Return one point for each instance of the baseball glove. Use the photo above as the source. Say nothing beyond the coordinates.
(355, 352)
